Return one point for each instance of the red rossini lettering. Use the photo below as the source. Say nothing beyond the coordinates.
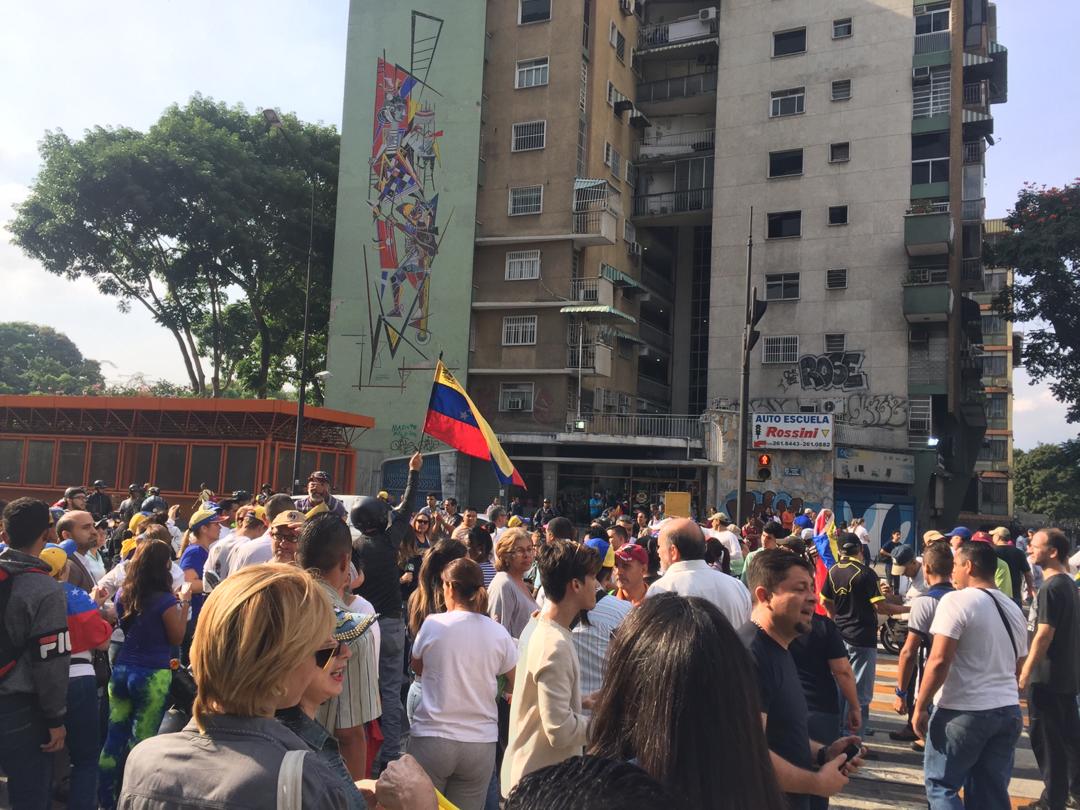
(794, 433)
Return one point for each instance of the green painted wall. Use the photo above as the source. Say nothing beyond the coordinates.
(402, 288)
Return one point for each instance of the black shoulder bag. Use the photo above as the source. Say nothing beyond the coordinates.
(1004, 621)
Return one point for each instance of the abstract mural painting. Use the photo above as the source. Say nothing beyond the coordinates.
(403, 194)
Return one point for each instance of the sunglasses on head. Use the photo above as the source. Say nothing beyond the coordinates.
(324, 656)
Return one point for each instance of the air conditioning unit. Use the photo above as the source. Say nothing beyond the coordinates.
(835, 406)
(515, 405)
(633, 248)
(918, 337)
(707, 14)
(920, 74)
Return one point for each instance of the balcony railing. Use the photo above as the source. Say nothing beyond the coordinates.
(581, 356)
(971, 269)
(972, 210)
(672, 202)
(598, 224)
(584, 289)
(926, 275)
(928, 101)
(976, 94)
(932, 43)
(683, 29)
(694, 84)
(974, 151)
(657, 426)
(928, 208)
(698, 140)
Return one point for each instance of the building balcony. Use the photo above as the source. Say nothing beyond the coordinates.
(928, 101)
(973, 210)
(592, 228)
(591, 359)
(683, 32)
(654, 426)
(668, 203)
(999, 73)
(977, 95)
(935, 42)
(927, 303)
(616, 278)
(676, 144)
(585, 289)
(974, 152)
(987, 465)
(694, 93)
(928, 229)
(971, 274)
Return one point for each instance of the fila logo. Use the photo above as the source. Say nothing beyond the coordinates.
(55, 645)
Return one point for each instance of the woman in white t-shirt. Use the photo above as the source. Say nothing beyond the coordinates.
(459, 656)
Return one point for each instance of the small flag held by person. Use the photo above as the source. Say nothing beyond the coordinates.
(454, 419)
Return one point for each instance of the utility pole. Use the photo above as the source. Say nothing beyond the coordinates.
(754, 311)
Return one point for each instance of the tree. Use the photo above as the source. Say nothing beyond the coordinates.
(1044, 249)
(1046, 480)
(39, 360)
(207, 210)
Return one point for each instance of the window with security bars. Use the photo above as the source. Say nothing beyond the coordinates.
(919, 415)
(994, 364)
(788, 102)
(997, 408)
(620, 46)
(993, 497)
(993, 326)
(583, 92)
(529, 135)
(781, 287)
(780, 349)
(841, 28)
(994, 449)
(526, 200)
(835, 343)
(836, 279)
(840, 152)
(612, 159)
(841, 90)
(631, 174)
(519, 330)
(522, 265)
(516, 397)
(531, 73)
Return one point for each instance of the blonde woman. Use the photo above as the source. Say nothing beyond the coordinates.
(510, 599)
(255, 651)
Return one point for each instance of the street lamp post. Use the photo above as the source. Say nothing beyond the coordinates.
(274, 120)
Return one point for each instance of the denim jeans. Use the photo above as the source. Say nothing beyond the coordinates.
(83, 741)
(28, 768)
(864, 665)
(973, 751)
(391, 674)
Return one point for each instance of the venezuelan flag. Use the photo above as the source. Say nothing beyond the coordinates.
(453, 418)
(828, 551)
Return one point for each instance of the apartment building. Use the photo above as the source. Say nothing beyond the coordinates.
(583, 228)
(989, 499)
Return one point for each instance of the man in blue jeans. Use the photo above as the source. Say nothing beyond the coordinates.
(853, 600)
(980, 641)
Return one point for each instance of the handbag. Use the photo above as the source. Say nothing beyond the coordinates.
(102, 668)
(290, 781)
(182, 690)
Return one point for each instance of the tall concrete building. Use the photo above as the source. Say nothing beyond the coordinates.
(576, 244)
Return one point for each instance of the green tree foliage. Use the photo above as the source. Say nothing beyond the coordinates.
(39, 360)
(1044, 249)
(203, 220)
(1046, 480)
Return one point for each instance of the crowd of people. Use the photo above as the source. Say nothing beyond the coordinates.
(300, 651)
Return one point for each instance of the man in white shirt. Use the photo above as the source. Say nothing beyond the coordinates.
(681, 548)
(258, 551)
(980, 642)
(906, 564)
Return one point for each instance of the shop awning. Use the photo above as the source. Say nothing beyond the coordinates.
(595, 309)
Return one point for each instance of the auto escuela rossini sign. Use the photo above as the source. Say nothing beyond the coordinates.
(792, 431)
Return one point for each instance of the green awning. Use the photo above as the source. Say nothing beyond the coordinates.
(618, 277)
(621, 335)
(997, 47)
(973, 117)
(972, 59)
(595, 309)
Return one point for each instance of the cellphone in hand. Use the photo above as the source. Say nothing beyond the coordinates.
(851, 752)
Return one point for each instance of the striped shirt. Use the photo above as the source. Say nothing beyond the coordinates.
(359, 701)
(591, 640)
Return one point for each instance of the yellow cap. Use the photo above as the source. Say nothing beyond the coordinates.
(136, 521)
(54, 557)
(316, 510)
(384, 495)
(609, 558)
(514, 522)
(127, 547)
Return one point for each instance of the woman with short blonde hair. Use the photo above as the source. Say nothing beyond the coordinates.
(256, 649)
(504, 547)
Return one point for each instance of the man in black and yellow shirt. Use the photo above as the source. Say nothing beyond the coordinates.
(853, 599)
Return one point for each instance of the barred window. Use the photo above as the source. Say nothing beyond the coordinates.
(835, 343)
(841, 28)
(519, 330)
(780, 349)
(613, 159)
(631, 174)
(919, 414)
(840, 152)
(526, 200)
(841, 90)
(836, 279)
(522, 265)
(529, 135)
(531, 73)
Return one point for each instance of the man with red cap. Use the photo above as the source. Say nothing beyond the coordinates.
(631, 573)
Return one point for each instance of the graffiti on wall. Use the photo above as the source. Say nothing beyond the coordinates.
(403, 196)
(834, 371)
(407, 440)
(860, 410)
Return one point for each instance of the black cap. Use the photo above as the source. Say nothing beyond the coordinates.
(133, 487)
(850, 542)
(71, 492)
(99, 484)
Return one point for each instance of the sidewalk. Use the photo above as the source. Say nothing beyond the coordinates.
(896, 780)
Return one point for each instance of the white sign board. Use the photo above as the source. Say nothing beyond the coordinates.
(875, 465)
(792, 431)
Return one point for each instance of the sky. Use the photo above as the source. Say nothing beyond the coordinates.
(72, 64)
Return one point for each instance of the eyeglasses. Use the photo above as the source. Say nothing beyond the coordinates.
(285, 536)
(423, 522)
(324, 656)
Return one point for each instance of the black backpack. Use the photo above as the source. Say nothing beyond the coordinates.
(9, 653)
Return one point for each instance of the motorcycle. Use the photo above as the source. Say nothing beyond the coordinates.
(892, 633)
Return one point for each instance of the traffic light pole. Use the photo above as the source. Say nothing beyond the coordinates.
(744, 381)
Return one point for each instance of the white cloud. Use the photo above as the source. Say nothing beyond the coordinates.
(1037, 416)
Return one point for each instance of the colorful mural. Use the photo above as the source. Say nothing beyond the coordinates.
(404, 198)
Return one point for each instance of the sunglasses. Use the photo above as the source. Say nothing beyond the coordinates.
(423, 522)
(324, 656)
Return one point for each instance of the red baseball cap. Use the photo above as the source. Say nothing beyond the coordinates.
(632, 552)
(981, 537)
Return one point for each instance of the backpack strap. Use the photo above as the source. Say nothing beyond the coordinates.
(290, 781)
(1004, 621)
(9, 652)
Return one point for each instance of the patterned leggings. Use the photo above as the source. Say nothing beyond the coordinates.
(136, 705)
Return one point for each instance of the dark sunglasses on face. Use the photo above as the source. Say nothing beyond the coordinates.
(423, 522)
(324, 656)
